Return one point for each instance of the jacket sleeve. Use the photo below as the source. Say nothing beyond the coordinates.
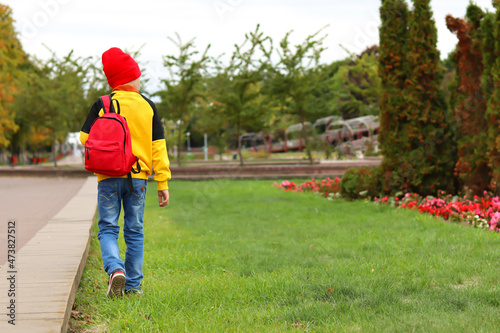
(161, 163)
(93, 114)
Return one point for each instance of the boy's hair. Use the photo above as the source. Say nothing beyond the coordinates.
(119, 67)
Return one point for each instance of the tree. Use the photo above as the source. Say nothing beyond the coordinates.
(421, 152)
(51, 99)
(237, 84)
(356, 86)
(295, 81)
(182, 88)
(96, 82)
(491, 88)
(392, 57)
(213, 123)
(469, 102)
(12, 59)
(428, 166)
(29, 134)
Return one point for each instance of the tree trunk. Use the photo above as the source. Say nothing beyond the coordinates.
(239, 144)
(266, 145)
(3, 156)
(54, 152)
(304, 136)
(22, 156)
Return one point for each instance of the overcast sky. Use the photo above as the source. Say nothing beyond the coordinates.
(89, 27)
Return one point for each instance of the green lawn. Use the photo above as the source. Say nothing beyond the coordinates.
(242, 256)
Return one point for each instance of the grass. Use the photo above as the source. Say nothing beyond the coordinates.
(242, 256)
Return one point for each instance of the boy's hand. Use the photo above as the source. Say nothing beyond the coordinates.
(163, 197)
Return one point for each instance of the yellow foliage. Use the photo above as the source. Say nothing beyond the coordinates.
(39, 136)
(11, 57)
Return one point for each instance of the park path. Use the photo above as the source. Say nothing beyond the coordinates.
(53, 218)
(31, 202)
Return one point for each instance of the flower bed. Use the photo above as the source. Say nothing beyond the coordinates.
(479, 212)
(328, 188)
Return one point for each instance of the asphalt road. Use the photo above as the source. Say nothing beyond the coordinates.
(31, 202)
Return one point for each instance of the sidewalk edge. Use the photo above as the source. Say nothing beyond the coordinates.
(88, 189)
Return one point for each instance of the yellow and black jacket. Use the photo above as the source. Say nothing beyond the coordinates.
(146, 131)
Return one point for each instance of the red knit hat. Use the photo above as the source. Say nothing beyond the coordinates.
(119, 67)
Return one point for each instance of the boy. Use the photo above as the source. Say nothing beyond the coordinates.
(148, 144)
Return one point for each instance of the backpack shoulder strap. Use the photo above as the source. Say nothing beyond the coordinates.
(108, 106)
(106, 101)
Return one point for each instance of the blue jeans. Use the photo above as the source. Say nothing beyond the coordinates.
(112, 192)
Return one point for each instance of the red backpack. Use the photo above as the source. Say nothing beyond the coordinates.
(108, 149)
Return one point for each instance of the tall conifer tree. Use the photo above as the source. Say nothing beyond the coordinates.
(427, 163)
(393, 35)
(419, 148)
(469, 103)
(491, 87)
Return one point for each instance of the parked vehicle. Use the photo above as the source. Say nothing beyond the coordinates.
(347, 135)
(321, 125)
(359, 134)
(293, 136)
(252, 140)
(337, 132)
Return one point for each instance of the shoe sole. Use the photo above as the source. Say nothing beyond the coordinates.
(116, 286)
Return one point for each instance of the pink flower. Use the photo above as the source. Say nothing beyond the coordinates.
(495, 218)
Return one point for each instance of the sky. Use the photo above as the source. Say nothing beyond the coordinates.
(89, 27)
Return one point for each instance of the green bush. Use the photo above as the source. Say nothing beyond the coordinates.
(361, 182)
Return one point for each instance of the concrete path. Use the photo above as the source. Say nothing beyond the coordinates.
(38, 286)
(31, 202)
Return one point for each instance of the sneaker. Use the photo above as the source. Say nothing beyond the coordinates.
(130, 292)
(116, 284)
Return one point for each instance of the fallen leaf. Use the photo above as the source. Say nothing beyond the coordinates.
(75, 314)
